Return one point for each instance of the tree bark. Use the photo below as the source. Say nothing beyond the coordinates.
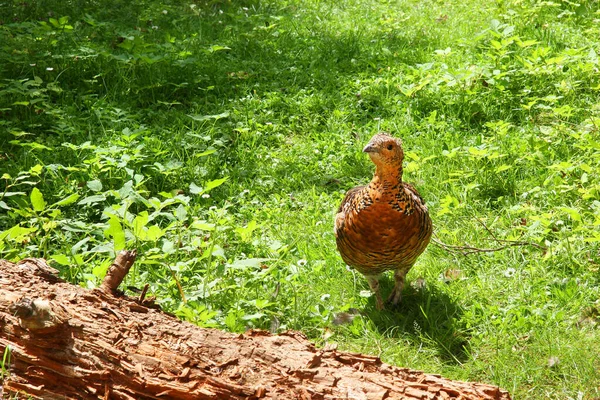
(66, 342)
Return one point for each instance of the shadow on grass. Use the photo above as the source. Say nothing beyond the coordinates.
(140, 67)
(424, 315)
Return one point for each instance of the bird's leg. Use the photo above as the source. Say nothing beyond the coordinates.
(396, 294)
(374, 285)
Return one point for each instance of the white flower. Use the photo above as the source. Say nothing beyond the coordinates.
(509, 272)
(302, 262)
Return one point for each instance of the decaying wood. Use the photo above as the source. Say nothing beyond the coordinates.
(118, 270)
(69, 342)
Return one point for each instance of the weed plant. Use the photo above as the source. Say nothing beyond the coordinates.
(218, 138)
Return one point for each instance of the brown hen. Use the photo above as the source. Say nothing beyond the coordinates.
(384, 225)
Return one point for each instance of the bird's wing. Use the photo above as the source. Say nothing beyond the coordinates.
(345, 206)
(414, 192)
(349, 198)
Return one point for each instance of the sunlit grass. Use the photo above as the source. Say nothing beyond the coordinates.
(218, 139)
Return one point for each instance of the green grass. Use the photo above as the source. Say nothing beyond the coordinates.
(219, 137)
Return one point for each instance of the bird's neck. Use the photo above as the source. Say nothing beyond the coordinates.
(387, 175)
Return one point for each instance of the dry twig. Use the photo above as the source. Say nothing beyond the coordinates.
(467, 249)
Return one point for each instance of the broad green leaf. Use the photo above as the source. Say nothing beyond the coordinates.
(195, 189)
(90, 20)
(201, 118)
(37, 200)
(61, 259)
(477, 152)
(102, 248)
(217, 47)
(72, 198)
(253, 316)
(412, 167)
(95, 185)
(139, 223)
(4, 205)
(412, 155)
(168, 247)
(247, 263)
(231, 320)
(527, 43)
(97, 198)
(246, 231)
(35, 170)
(181, 212)
(127, 190)
(20, 133)
(138, 178)
(99, 271)
(49, 225)
(213, 184)
(205, 153)
(154, 233)
(16, 233)
(203, 225)
(115, 232)
(573, 213)
(79, 245)
(496, 44)
(585, 167)
(31, 145)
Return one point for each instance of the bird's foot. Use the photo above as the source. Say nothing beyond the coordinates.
(374, 285)
(379, 302)
(395, 297)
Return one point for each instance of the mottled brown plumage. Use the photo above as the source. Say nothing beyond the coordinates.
(385, 225)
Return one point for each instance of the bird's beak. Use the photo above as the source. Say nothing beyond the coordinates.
(370, 148)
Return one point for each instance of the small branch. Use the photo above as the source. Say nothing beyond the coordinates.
(468, 249)
(118, 270)
(143, 294)
(488, 230)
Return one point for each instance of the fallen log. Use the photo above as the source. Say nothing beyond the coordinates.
(61, 341)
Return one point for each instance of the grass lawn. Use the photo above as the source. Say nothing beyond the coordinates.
(219, 137)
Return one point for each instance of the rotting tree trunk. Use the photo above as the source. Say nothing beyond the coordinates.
(69, 342)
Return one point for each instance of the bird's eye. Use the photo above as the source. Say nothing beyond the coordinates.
(390, 146)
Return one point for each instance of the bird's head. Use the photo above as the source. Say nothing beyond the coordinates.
(385, 151)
